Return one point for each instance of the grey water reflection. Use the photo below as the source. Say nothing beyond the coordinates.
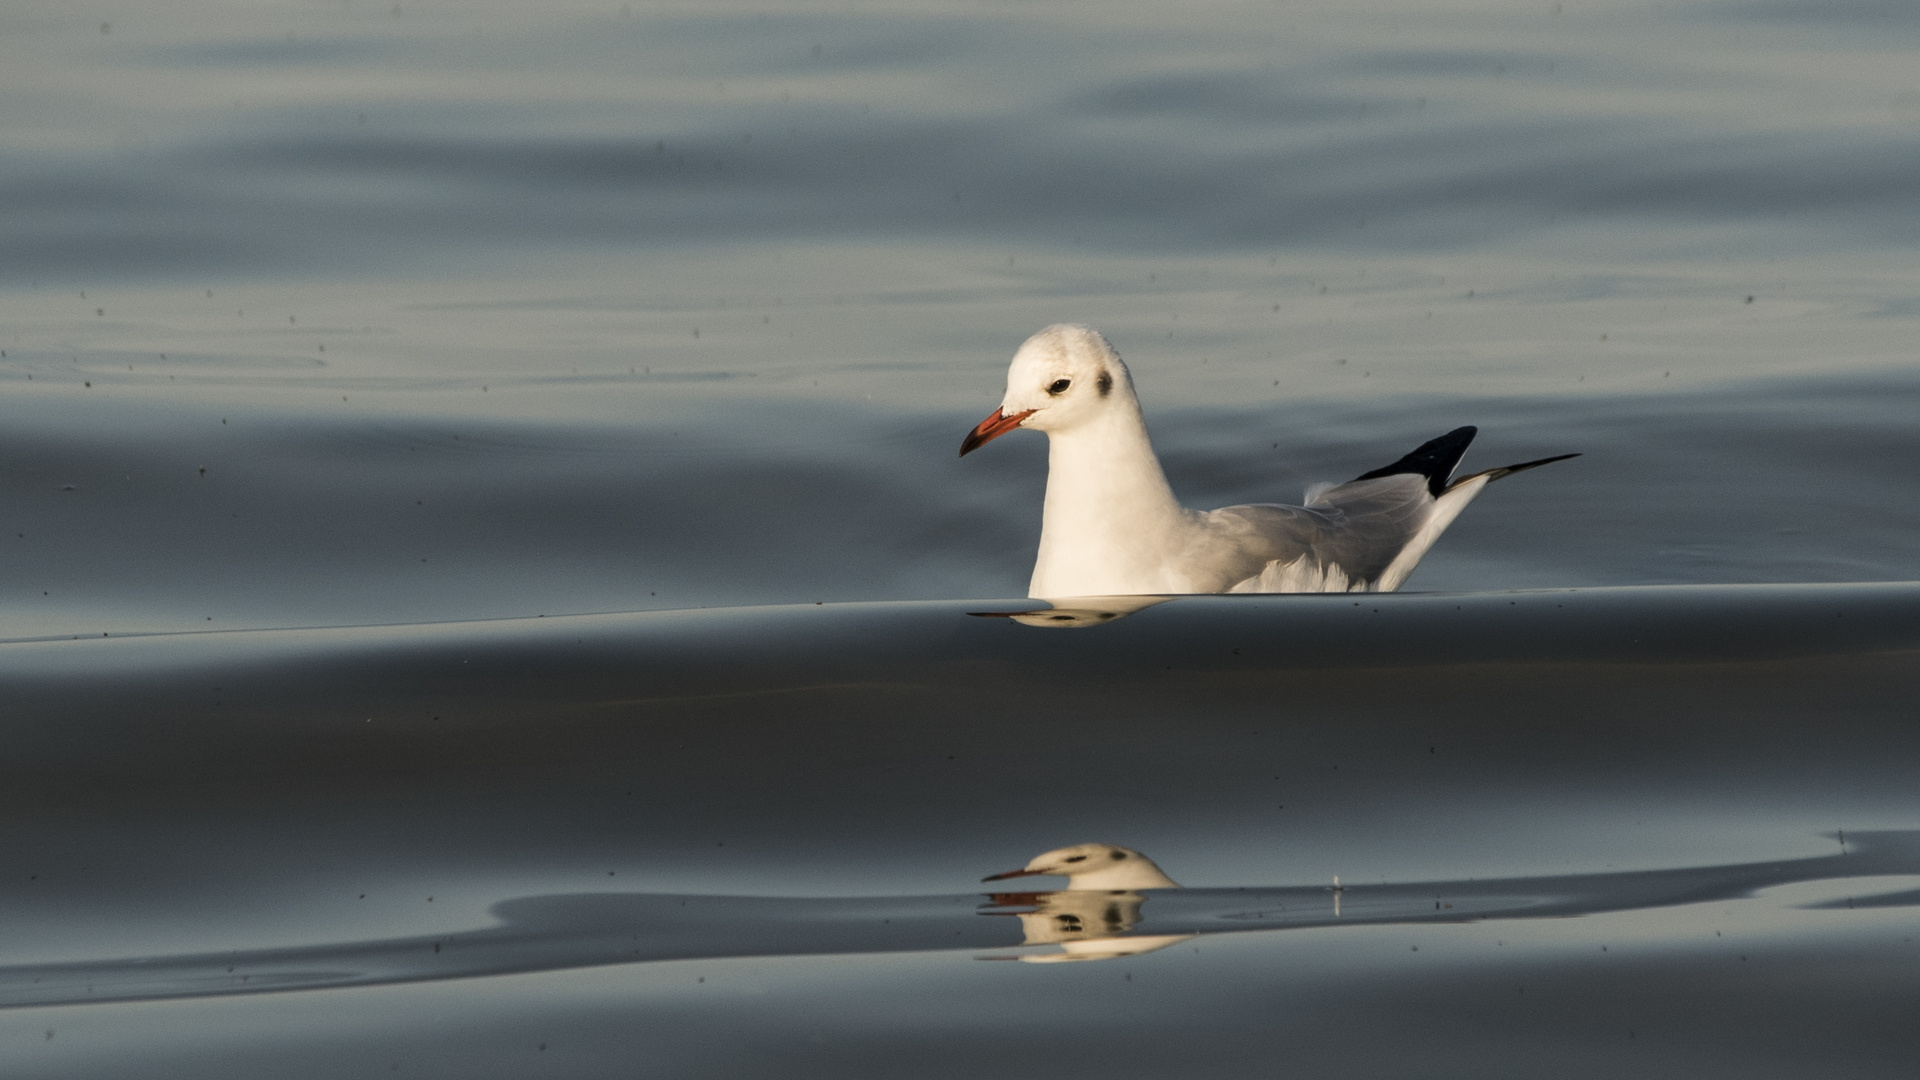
(925, 124)
(557, 932)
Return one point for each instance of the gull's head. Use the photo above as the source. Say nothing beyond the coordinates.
(1063, 377)
(1095, 866)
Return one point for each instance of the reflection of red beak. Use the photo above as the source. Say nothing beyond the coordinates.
(990, 429)
(1011, 873)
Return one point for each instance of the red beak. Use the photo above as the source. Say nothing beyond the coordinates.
(990, 429)
(1010, 873)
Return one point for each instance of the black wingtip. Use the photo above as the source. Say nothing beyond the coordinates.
(1508, 470)
(1435, 459)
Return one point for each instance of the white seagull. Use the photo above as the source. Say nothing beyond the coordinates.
(1112, 527)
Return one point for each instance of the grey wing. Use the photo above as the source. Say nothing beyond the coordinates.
(1357, 527)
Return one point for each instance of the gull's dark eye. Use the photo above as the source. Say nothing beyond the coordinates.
(1077, 858)
(1059, 386)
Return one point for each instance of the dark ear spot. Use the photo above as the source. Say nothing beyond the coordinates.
(1105, 383)
(1119, 855)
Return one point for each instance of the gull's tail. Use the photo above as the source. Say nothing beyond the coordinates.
(1435, 459)
(1508, 470)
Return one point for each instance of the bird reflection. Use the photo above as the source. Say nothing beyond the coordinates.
(1094, 866)
(1090, 918)
(1112, 894)
(1075, 612)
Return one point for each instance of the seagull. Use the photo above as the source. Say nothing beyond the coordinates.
(1112, 527)
(1094, 866)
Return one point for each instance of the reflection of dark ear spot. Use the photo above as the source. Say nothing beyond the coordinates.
(1106, 383)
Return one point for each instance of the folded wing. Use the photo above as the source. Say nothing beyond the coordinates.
(1347, 538)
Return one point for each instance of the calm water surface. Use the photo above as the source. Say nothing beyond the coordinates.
(486, 578)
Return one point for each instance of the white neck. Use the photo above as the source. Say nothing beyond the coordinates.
(1109, 510)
